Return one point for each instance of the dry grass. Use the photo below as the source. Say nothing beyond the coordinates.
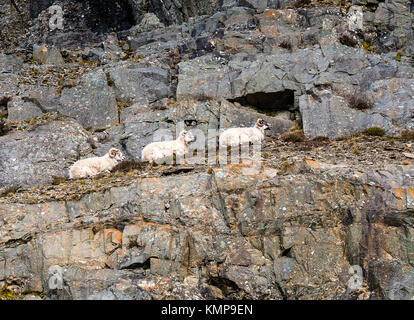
(130, 165)
(320, 139)
(356, 100)
(360, 102)
(296, 136)
(407, 135)
(9, 191)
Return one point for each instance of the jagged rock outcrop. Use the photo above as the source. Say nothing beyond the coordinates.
(237, 232)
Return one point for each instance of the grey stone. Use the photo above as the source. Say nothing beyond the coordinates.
(47, 55)
(333, 117)
(9, 63)
(31, 158)
(92, 103)
(19, 109)
(143, 84)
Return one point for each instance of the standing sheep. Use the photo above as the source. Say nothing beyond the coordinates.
(161, 151)
(95, 165)
(236, 136)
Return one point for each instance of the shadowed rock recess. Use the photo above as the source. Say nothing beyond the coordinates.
(333, 195)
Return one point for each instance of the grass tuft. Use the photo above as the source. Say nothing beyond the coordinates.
(374, 131)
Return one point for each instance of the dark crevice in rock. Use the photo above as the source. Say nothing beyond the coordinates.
(109, 80)
(269, 103)
(286, 253)
(36, 103)
(346, 217)
(402, 219)
(36, 7)
(123, 143)
(16, 242)
(4, 100)
(228, 288)
(16, 7)
(281, 291)
(145, 265)
(3, 107)
(4, 128)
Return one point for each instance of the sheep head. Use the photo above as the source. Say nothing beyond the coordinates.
(261, 124)
(187, 137)
(116, 154)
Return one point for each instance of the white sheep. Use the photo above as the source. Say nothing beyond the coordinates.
(95, 165)
(163, 150)
(236, 136)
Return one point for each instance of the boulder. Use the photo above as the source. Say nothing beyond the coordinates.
(47, 55)
(32, 158)
(20, 109)
(92, 103)
(139, 83)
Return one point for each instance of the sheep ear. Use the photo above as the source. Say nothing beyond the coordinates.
(112, 153)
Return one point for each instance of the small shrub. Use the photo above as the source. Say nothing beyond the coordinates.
(407, 135)
(320, 139)
(162, 105)
(347, 40)
(58, 180)
(158, 106)
(359, 102)
(122, 105)
(7, 294)
(174, 53)
(398, 57)
(367, 47)
(286, 44)
(374, 131)
(356, 100)
(297, 136)
(129, 165)
(301, 3)
(202, 97)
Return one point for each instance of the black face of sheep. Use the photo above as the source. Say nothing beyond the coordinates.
(263, 124)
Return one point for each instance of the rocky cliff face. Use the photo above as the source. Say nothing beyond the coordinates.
(333, 193)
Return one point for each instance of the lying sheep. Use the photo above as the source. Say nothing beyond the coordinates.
(161, 151)
(236, 136)
(95, 165)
